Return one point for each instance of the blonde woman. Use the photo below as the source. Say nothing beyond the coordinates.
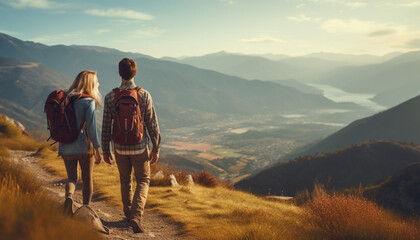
(85, 150)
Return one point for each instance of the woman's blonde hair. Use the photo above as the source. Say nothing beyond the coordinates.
(87, 82)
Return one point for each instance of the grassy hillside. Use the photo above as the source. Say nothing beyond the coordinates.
(224, 213)
(366, 164)
(205, 213)
(399, 192)
(24, 88)
(26, 212)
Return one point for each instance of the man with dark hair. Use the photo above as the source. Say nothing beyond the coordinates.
(129, 154)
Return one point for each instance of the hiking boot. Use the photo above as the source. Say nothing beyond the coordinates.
(136, 225)
(68, 206)
(127, 215)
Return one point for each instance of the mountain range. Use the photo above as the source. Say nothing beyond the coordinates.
(393, 81)
(23, 85)
(392, 78)
(307, 68)
(256, 67)
(184, 94)
(400, 123)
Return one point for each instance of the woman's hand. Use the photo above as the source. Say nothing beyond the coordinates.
(154, 157)
(98, 157)
(108, 159)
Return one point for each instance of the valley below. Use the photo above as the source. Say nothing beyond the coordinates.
(236, 147)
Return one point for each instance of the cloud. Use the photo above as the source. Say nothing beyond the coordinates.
(261, 39)
(120, 13)
(373, 34)
(147, 33)
(325, 1)
(301, 5)
(367, 28)
(41, 4)
(413, 43)
(410, 4)
(381, 33)
(343, 2)
(303, 18)
(230, 2)
(54, 38)
(10, 33)
(101, 31)
(356, 4)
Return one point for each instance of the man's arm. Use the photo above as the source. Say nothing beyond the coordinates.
(152, 126)
(106, 129)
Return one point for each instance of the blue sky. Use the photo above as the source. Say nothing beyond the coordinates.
(197, 27)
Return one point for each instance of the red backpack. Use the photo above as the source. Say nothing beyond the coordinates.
(61, 119)
(128, 124)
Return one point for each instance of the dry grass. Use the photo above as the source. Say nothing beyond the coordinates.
(340, 216)
(13, 138)
(4, 151)
(27, 213)
(221, 213)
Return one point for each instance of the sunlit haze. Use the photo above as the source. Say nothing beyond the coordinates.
(198, 27)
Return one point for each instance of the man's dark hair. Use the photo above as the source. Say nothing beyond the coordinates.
(127, 68)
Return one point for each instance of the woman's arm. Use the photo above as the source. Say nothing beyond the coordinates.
(92, 130)
(91, 124)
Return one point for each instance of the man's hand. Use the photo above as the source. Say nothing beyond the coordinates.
(154, 157)
(108, 159)
(98, 158)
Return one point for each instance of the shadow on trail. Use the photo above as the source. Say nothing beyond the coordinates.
(121, 224)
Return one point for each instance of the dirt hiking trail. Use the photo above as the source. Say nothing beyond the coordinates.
(156, 225)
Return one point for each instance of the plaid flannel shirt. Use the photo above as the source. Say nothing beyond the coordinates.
(150, 123)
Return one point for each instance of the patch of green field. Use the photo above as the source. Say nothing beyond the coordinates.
(227, 153)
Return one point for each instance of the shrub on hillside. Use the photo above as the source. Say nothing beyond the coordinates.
(205, 178)
(340, 216)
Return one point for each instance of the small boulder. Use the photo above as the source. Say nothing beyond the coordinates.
(190, 180)
(174, 183)
(87, 214)
(158, 176)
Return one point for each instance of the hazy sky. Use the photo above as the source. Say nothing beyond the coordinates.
(197, 27)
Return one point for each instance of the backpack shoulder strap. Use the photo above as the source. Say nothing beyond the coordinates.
(85, 95)
(115, 90)
(78, 96)
(138, 94)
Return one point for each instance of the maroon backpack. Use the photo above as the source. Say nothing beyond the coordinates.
(61, 119)
(128, 124)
